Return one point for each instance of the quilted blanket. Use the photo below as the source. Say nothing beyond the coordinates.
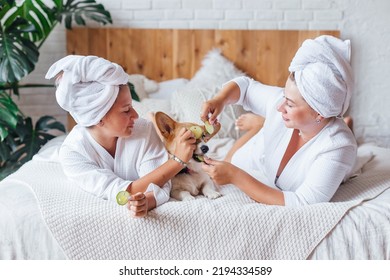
(230, 227)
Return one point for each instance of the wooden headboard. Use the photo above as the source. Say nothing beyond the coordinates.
(163, 54)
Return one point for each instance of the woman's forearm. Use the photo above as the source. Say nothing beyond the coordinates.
(257, 190)
(160, 176)
(229, 94)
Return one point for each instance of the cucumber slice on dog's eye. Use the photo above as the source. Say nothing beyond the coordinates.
(209, 128)
(122, 197)
(197, 131)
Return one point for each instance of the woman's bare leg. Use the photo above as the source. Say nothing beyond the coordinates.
(249, 122)
(348, 120)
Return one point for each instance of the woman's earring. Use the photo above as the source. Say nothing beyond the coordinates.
(318, 119)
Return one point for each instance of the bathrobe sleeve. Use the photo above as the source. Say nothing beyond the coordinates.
(90, 166)
(255, 96)
(82, 167)
(151, 156)
(89, 169)
(316, 171)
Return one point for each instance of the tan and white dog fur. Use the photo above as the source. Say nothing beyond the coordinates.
(185, 185)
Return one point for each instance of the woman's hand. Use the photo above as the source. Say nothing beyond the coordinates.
(219, 171)
(229, 94)
(185, 145)
(138, 205)
(211, 109)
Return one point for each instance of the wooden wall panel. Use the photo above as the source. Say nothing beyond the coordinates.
(163, 54)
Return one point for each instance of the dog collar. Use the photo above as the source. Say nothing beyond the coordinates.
(185, 170)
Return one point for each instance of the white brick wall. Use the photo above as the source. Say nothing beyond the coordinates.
(365, 22)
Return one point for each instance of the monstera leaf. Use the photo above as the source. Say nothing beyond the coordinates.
(25, 141)
(24, 28)
(81, 10)
(18, 55)
(9, 112)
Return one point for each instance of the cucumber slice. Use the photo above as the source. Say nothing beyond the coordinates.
(122, 197)
(197, 131)
(198, 158)
(209, 128)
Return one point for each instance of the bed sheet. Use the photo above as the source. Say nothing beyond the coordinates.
(23, 231)
(363, 233)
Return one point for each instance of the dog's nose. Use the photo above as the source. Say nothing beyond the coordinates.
(204, 149)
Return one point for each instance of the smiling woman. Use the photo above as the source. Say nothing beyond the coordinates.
(305, 150)
(24, 27)
(95, 92)
(44, 215)
(118, 121)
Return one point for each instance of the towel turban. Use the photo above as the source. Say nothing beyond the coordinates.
(88, 87)
(323, 74)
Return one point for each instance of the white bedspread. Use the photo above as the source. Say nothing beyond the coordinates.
(230, 227)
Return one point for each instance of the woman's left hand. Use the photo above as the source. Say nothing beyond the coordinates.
(219, 171)
(138, 205)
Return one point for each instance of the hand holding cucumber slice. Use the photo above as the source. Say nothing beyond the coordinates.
(123, 197)
(209, 128)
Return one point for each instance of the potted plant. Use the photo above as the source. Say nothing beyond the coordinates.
(24, 27)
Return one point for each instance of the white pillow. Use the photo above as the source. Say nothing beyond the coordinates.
(142, 85)
(167, 88)
(186, 103)
(151, 105)
(186, 106)
(215, 71)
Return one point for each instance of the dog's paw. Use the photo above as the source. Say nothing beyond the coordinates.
(188, 198)
(212, 194)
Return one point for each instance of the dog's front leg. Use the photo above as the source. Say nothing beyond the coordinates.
(209, 189)
(181, 195)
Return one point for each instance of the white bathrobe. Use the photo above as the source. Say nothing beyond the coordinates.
(93, 169)
(315, 171)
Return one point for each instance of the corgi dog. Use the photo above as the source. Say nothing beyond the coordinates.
(192, 180)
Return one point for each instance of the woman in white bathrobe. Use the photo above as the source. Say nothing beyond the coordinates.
(305, 150)
(111, 149)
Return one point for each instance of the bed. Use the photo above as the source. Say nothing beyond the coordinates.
(44, 216)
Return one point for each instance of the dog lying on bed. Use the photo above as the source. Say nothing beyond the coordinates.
(192, 180)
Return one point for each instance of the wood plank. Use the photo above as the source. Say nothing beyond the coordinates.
(163, 54)
(77, 41)
(98, 42)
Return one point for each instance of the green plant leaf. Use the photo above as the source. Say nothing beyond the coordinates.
(38, 14)
(47, 123)
(24, 29)
(30, 140)
(79, 10)
(9, 112)
(18, 55)
(7, 170)
(3, 133)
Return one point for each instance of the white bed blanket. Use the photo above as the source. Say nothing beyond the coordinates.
(230, 227)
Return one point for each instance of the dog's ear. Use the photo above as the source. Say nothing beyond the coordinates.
(164, 124)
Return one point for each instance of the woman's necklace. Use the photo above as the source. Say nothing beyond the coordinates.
(300, 134)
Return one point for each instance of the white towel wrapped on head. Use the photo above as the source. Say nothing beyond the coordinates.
(323, 74)
(88, 87)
